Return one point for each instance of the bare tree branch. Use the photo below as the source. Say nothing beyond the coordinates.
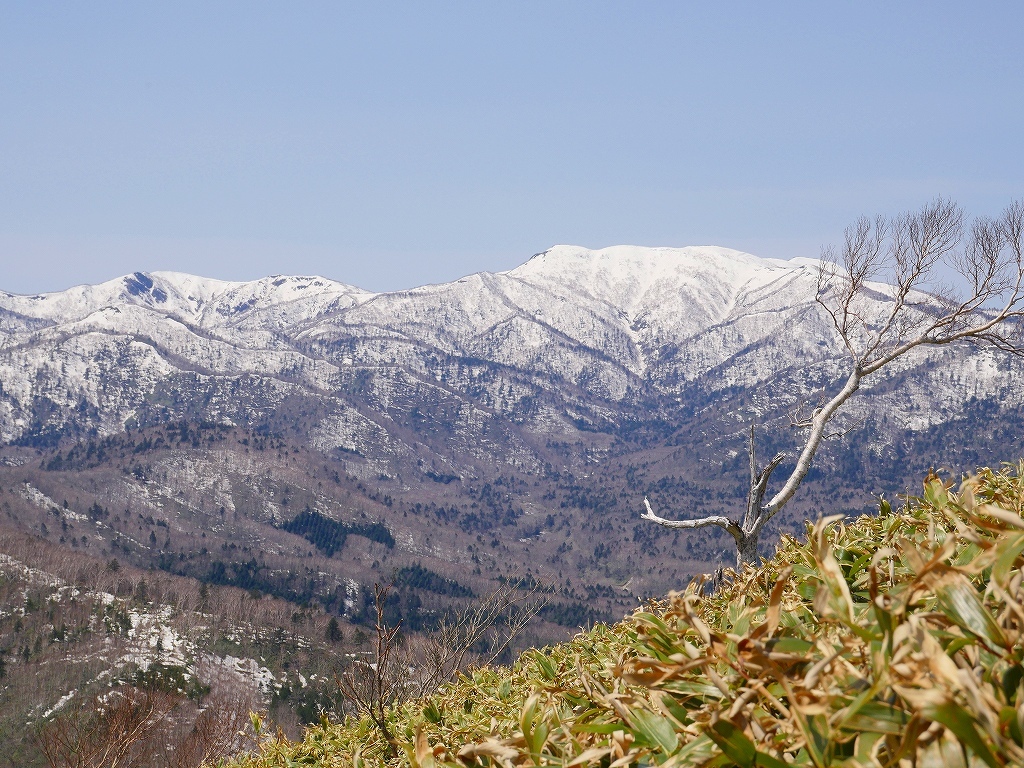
(703, 522)
(106, 731)
(375, 686)
(884, 298)
(475, 635)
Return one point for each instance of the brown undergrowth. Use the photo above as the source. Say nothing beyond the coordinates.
(893, 640)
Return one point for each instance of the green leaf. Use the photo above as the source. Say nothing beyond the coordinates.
(700, 751)
(740, 749)
(960, 602)
(504, 689)
(865, 747)
(935, 494)
(598, 728)
(1011, 681)
(547, 670)
(958, 643)
(537, 740)
(969, 554)
(876, 717)
(676, 710)
(816, 728)
(792, 645)
(432, 713)
(1009, 551)
(858, 565)
(528, 713)
(1008, 722)
(962, 725)
(654, 730)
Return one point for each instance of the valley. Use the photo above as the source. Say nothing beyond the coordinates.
(287, 444)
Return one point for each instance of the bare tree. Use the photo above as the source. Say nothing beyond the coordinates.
(375, 687)
(108, 730)
(130, 726)
(477, 634)
(884, 295)
(219, 730)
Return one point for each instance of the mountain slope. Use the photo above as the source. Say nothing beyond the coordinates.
(576, 383)
(892, 637)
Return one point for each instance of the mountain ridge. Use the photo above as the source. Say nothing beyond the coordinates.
(142, 284)
(618, 318)
(582, 379)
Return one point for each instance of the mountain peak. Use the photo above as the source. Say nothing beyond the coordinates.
(632, 276)
(645, 253)
(183, 295)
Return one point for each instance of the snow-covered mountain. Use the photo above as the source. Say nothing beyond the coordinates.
(303, 438)
(470, 428)
(488, 367)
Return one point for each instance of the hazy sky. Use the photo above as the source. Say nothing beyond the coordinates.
(394, 144)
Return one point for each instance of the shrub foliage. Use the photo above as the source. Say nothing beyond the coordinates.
(893, 640)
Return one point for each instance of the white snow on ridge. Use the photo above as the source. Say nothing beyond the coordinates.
(678, 291)
(621, 275)
(597, 319)
(627, 282)
(629, 276)
(555, 312)
(198, 300)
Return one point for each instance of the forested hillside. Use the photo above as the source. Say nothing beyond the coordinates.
(873, 641)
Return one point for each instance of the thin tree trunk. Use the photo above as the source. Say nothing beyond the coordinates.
(755, 516)
(746, 549)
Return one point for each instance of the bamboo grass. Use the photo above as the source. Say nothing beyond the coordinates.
(891, 640)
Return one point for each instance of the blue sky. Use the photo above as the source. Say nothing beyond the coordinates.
(394, 144)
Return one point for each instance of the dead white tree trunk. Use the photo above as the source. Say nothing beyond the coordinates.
(883, 299)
